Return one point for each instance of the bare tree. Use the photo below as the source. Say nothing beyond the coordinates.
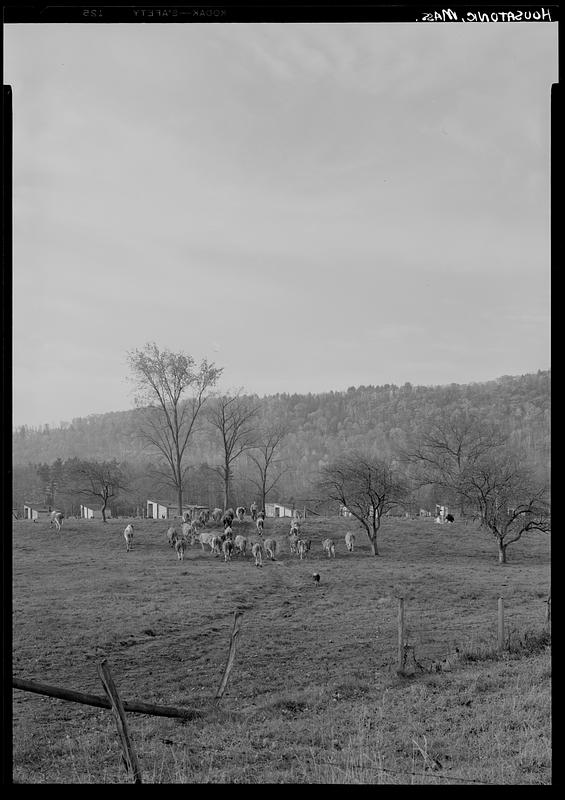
(506, 498)
(264, 458)
(234, 419)
(171, 392)
(367, 486)
(102, 480)
(446, 451)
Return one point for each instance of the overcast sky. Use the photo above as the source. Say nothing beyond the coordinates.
(310, 206)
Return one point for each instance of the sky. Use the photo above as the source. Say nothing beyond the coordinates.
(310, 206)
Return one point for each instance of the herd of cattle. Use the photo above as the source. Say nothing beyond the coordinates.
(231, 544)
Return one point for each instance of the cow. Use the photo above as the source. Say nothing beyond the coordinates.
(228, 533)
(180, 546)
(303, 546)
(253, 511)
(227, 548)
(128, 536)
(261, 514)
(217, 515)
(216, 545)
(350, 541)
(227, 519)
(57, 518)
(204, 538)
(450, 518)
(187, 530)
(203, 517)
(257, 552)
(240, 544)
(295, 527)
(328, 547)
(271, 548)
(260, 523)
(240, 513)
(292, 540)
(172, 536)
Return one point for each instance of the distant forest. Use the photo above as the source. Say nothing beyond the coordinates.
(319, 428)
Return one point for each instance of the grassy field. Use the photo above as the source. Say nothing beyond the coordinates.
(313, 696)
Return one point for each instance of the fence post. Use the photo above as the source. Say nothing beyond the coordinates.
(231, 655)
(548, 612)
(500, 624)
(400, 667)
(129, 757)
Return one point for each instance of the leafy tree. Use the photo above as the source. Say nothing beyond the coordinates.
(506, 498)
(103, 480)
(233, 417)
(163, 380)
(367, 486)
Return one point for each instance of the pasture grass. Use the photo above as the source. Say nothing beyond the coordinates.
(314, 696)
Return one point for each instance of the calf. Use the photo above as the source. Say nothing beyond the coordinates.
(260, 523)
(57, 518)
(128, 536)
(180, 546)
(172, 536)
(204, 539)
(227, 548)
(349, 541)
(271, 548)
(328, 547)
(257, 551)
(216, 545)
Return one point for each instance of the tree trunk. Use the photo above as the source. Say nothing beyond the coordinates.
(373, 542)
(105, 502)
(501, 553)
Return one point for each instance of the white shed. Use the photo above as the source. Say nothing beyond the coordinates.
(278, 510)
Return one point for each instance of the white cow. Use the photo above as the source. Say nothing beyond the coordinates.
(180, 547)
(295, 526)
(128, 536)
(257, 551)
(57, 518)
(260, 524)
(217, 515)
(187, 530)
(227, 548)
(292, 540)
(240, 544)
(204, 538)
(328, 547)
(271, 548)
(350, 541)
(172, 536)
(216, 545)
(303, 546)
(240, 513)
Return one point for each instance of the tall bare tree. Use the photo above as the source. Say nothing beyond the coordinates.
(266, 449)
(367, 486)
(102, 480)
(171, 390)
(506, 498)
(447, 449)
(234, 419)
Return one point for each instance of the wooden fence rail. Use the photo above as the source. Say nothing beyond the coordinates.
(103, 702)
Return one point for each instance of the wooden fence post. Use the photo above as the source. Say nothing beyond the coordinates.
(129, 756)
(231, 655)
(400, 667)
(500, 624)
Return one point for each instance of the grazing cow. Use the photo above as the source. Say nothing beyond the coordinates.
(271, 548)
(203, 538)
(172, 536)
(227, 548)
(240, 513)
(253, 511)
(450, 518)
(292, 540)
(328, 547)
(180, 546)
(257, 551)
(217, 515)
(216, 545)
(260, 523)
(240, 544)
(57, 518)
(350, 541)
(128, 536)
